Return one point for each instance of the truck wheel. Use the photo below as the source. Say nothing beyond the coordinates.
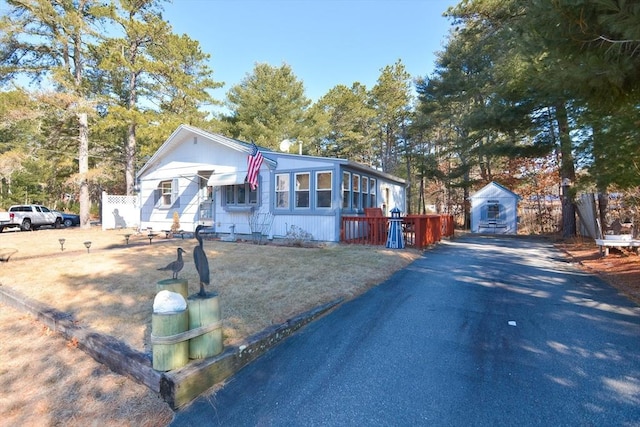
(26, 225)
(68, 223)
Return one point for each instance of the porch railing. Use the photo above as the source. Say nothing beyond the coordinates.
(419, 231)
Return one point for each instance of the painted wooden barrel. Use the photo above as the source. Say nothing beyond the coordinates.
(172, 355)
(180, 286)
(204, 314)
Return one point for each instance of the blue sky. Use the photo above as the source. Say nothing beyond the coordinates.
(326, 42)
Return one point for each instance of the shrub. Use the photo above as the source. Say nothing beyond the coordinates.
(176, 222)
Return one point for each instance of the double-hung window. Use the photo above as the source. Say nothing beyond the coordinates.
(323, 189)
(166, 195)
(282, 191)
(355, 204)
(302, 190)
(365, 192)
(346, 189)
(372, 193)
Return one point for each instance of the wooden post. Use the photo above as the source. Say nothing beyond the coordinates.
(180, 286)
(169, 356)
(204, 312)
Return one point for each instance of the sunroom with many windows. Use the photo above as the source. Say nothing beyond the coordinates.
(359, 191)
(303, 191)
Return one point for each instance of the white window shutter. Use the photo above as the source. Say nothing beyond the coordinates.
(175, 191)
(157, 195)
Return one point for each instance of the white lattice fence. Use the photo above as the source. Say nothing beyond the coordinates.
(120, 211)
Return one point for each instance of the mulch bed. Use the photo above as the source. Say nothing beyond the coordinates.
(621, 268)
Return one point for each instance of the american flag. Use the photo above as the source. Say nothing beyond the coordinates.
(253, 166)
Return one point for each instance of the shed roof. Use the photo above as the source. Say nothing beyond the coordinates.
(492, 190)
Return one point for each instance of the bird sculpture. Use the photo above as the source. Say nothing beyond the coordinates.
(175, 266)
(201, 262)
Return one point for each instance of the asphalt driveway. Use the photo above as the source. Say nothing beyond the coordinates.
(482, 331)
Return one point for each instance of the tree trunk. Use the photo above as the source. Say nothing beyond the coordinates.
(83, 169)
(130, 144)
(130, 158)
(601, 185)
(466, 197)
(421, 201)
(409, 187)
(567, 173)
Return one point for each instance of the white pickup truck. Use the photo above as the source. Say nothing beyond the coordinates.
(29, 217)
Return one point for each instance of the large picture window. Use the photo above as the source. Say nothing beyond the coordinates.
(323, 189)
(282, 191)
(240, 195)
(302, 190)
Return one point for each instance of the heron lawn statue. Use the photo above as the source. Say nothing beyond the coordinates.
(201, 262)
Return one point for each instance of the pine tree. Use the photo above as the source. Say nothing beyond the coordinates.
(268, 106)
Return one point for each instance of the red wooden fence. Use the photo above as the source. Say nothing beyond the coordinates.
(420, 231)
(364, 230)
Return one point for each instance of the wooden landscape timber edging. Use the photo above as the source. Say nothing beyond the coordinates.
(177, 387)
(113, 353)
(180, 386)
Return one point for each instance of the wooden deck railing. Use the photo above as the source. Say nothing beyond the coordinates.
(364, 230)
(420, 231)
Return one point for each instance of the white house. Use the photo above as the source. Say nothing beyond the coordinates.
(494, 209)
(201, 176)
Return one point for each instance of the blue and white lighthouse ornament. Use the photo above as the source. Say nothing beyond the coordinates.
(395, 239)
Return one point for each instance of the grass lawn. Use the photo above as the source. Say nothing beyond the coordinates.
(110, 288)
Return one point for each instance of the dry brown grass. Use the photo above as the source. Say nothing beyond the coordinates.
(111, 289)
(47, 381)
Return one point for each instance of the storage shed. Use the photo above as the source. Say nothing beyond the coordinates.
(494, 209)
